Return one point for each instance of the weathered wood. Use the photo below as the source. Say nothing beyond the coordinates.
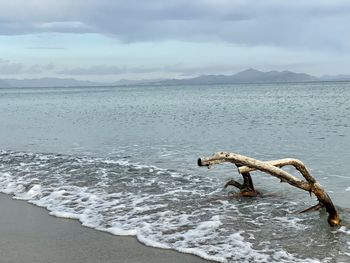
(247, 188)
(300, 166)
(312, 208)
(222, 157)
(246, 165)
(233, 183)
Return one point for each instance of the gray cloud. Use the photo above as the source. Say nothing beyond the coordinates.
(306, 23)
(106, 70)
(179, 69)
(11, 68)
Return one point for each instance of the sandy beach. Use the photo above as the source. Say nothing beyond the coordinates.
(28, 234)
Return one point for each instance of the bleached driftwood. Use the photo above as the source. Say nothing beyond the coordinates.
(246, 165)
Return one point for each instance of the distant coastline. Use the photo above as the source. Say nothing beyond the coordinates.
(249, 76)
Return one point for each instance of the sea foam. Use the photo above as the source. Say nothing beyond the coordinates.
(160, 207)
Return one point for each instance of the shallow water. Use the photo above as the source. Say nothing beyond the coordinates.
(123, 160)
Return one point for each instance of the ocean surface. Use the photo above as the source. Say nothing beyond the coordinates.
(124, 160)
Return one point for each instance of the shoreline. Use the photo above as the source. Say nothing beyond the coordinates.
(29, 234)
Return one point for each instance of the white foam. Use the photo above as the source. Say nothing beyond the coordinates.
(152, 243)
(162, 208)
(344, 230)
(213, 223)
(202, 254)
(121, 232)
(65, 215)
(34, 192)
(347, 189)
(10, 188)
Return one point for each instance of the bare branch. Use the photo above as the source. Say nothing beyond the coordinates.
(272, 168)
(221, 157)
(300, 166)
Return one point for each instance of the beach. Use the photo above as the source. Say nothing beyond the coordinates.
(122, 162)
(28, 234)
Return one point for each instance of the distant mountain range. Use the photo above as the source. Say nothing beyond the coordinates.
(246, 76)
(68, 82)
(47, 82)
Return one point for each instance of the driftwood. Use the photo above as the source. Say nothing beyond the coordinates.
(246, 165)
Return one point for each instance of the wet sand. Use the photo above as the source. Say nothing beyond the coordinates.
(28, 234)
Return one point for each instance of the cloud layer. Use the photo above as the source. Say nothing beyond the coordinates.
(108, 39)
(311, 24)
(12, 68)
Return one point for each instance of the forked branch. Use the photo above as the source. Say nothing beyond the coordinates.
(246, 165)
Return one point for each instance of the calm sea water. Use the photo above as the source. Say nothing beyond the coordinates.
(123, 160)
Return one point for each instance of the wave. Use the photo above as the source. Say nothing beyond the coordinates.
(163, 208)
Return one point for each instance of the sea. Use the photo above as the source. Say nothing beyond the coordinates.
(124, 160)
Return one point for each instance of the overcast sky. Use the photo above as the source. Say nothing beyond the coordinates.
(140, 39)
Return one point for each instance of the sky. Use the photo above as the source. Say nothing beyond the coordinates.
(108, 40)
